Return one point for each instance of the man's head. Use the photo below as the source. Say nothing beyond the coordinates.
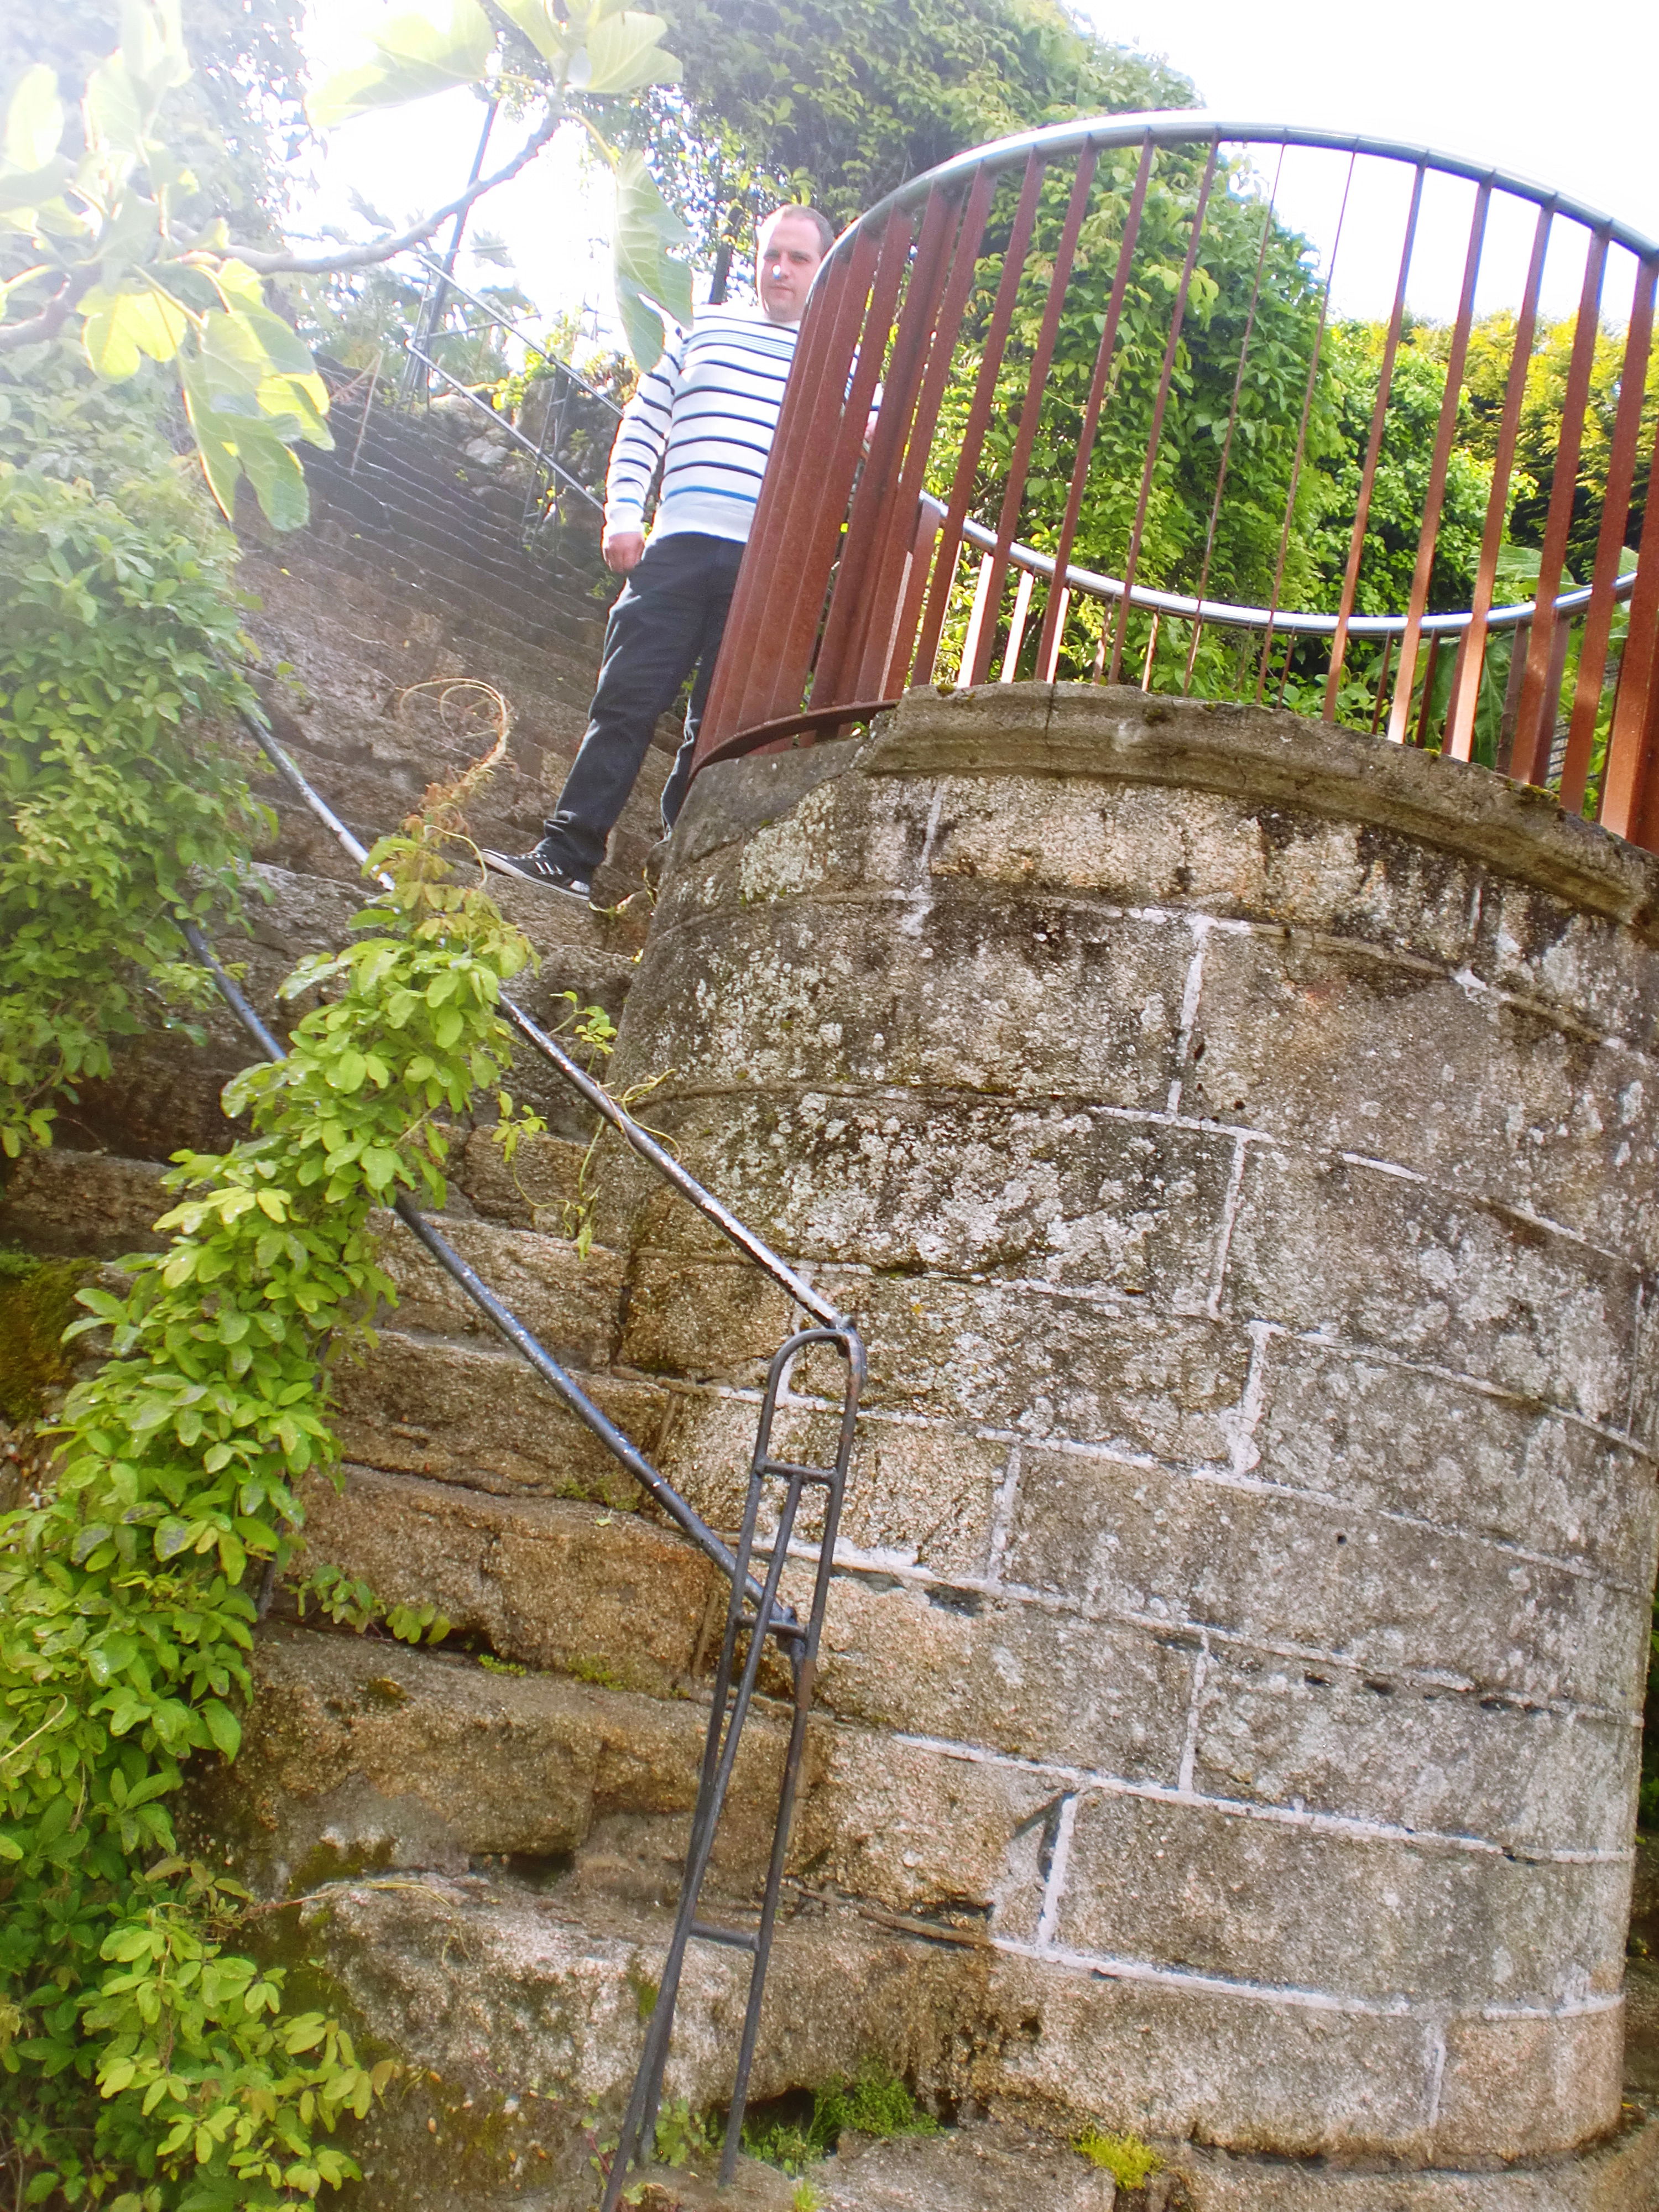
(793, 242)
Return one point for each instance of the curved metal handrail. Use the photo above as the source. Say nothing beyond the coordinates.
(1177, 126)
(1226, 615)
(956, 296)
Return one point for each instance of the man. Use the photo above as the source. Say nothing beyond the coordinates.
(706, 413)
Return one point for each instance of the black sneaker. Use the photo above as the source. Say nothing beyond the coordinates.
(536, 868)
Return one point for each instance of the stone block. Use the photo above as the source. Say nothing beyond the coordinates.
(1351, 1048)
(567, 1300)
(362, 1755)
(1284, 1906)
(542, 1582)
(1380, 1437)
(437, 1407)
(1315, 1577)
(78, 1204)
(963, 990)
(1275, 1731)
(916, 1496)
(1524, 2089)
(960, 1667)
(1364, 1252)
(1173, 2057)
(1052, 1362)
(960, 1185)
(703, 1318)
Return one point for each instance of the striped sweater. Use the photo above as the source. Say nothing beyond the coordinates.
(706, 413)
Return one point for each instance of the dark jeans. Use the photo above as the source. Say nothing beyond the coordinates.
(667, 622)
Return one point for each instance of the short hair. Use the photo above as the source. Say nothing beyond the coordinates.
(820, 223)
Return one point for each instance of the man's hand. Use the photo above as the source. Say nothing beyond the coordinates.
(623, 549)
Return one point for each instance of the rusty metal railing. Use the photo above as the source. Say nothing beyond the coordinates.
(1121, 431)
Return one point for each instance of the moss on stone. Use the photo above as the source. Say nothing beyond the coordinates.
(36, 1304)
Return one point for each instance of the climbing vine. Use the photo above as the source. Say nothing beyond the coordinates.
(152, 2065)
(123, 801)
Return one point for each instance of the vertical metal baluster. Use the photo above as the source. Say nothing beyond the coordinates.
(976, 617)
(1438, 468)
(1459, 742)
(1017, 627)
(1048, 643)
(1535, 733)
(1381, 682)
(1615, 518)
(979, 412)
(786, 568)
(865, 547)
(1302, 442)
(1628, 786)
(1232, 423)
(1373, 452)
(1036, 384)
(1426, 712)
(907, 566)
(1155, 434)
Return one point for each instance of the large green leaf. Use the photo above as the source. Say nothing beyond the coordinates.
(415, 54)
(623, 54)
(115, 110)
(279, 485)
(121, 326)
(24, 191)
(649, 283)
(34, 120)
(549, 33)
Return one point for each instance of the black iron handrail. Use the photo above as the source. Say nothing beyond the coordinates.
(781, 1622)
(595, 1094)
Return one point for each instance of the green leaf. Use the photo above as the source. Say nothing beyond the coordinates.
(415, 55)
(223, 1726)
(551, 38)
(34, 120)
(623, 54)
(648, 282)
(278, 480)
(121, 326)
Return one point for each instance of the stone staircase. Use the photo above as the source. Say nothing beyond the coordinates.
(474, 1850)
(482, 1842)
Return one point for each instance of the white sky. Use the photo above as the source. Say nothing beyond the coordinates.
(1543, 91)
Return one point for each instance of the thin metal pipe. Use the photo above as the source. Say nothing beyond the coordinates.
(1094, 410)
(1615, 517)
(1232, 419)
(1534, 734)
(563, 1386)
(1154, 437)
(979, 412)
(1459, 741)
(1017, 627)
(1035, 383)
(1438, 466)
(577, 1077)
(1302, 431)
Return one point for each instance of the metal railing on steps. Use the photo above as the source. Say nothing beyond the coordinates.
(754, 1611)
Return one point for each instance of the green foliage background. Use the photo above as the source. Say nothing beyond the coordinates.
(123, 801)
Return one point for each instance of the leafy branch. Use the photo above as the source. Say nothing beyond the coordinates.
(115, 254)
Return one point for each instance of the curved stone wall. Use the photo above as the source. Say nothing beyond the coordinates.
(1236, 1141)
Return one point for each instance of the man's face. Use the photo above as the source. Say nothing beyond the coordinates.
(789, 257)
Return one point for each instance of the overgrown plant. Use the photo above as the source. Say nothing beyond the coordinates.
(122, 805)
(151, 2066)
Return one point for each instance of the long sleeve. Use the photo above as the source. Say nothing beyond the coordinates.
(641, 437)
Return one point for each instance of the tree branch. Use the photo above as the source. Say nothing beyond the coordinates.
(382, 249)
(53, 317)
